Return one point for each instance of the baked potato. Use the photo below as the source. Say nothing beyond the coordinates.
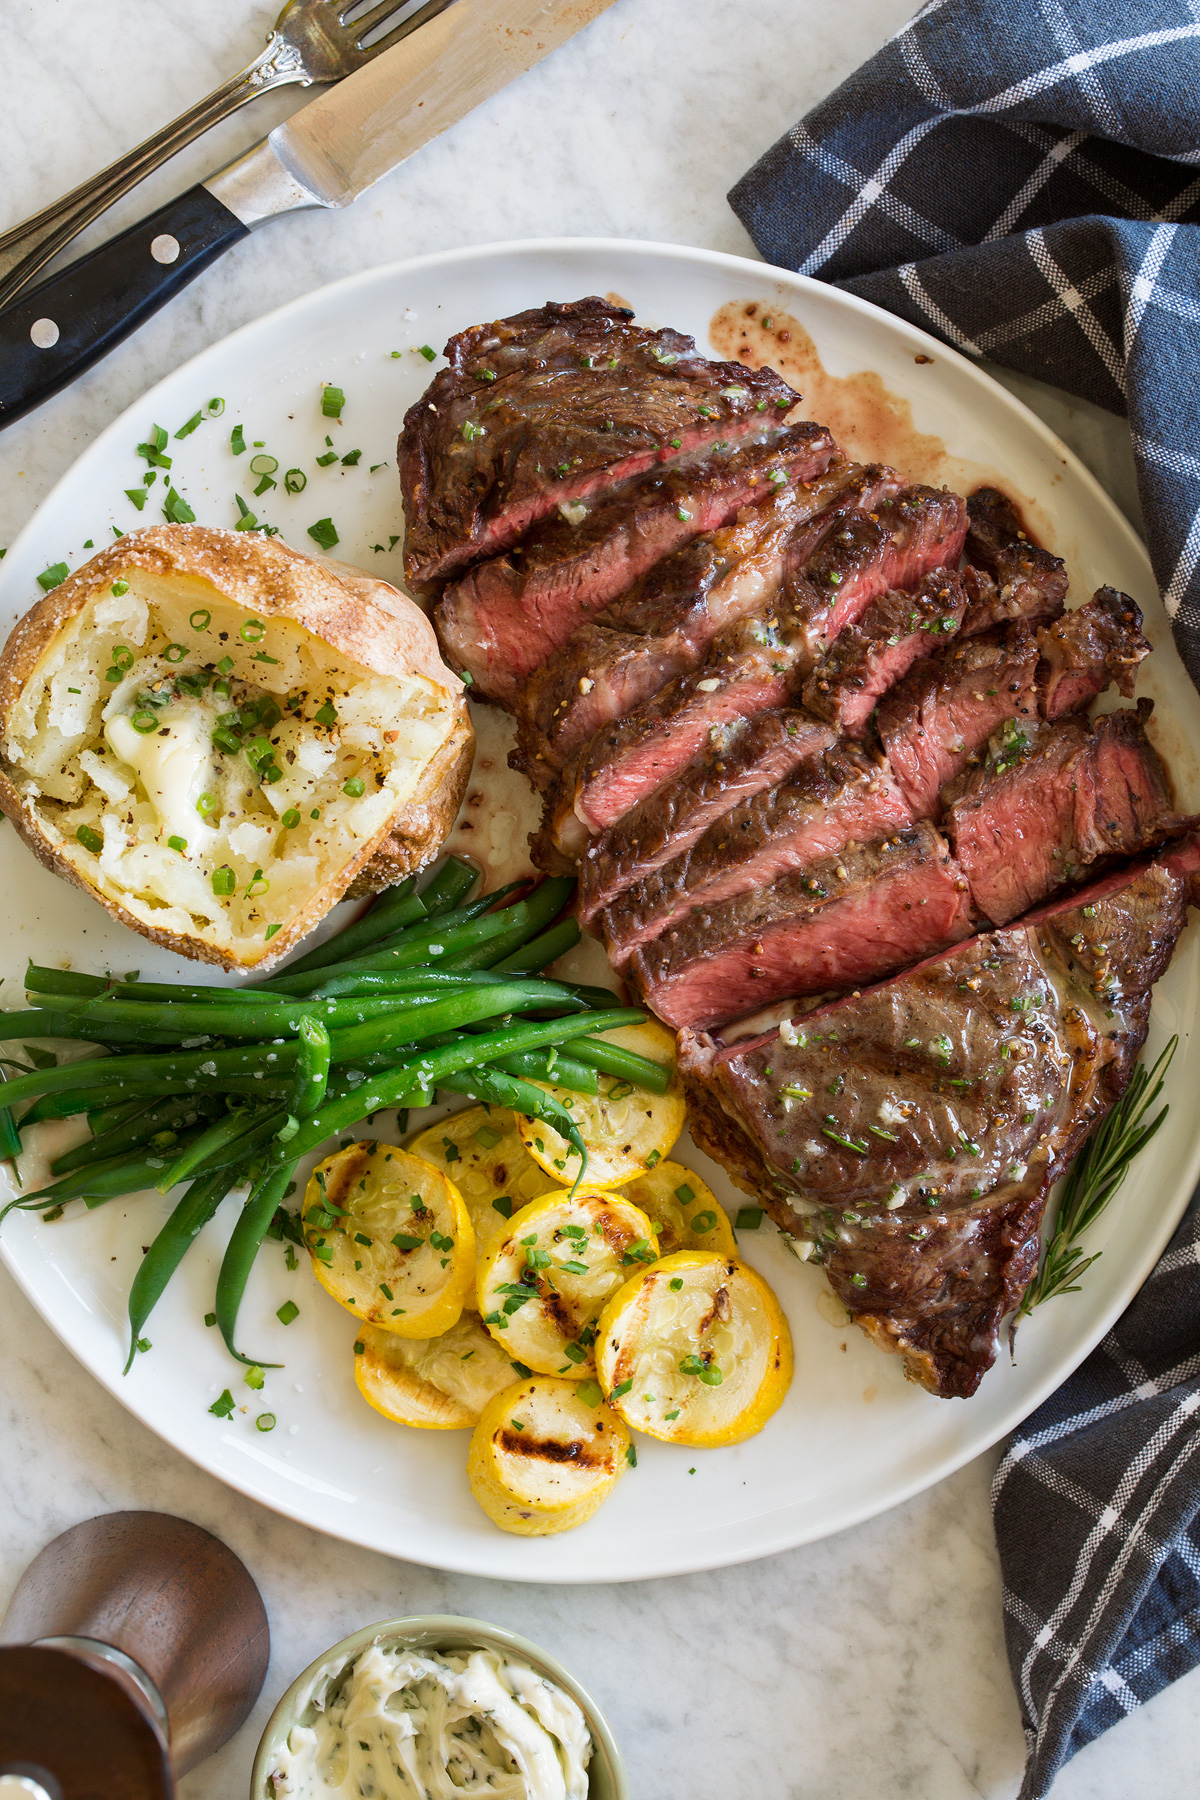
(217, 736)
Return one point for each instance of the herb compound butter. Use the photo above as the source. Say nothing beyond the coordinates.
(407, 1725)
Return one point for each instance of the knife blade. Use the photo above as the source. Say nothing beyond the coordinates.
(326, 154)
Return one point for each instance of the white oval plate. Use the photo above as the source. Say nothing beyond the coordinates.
(852, 1437)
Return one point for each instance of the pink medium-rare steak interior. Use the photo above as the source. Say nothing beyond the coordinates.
(506, 617)
(847, 920)
(1050, 800)
(841, 797)
(1010, 576)
(870, 657)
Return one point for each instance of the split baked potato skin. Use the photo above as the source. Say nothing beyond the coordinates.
(403, 728)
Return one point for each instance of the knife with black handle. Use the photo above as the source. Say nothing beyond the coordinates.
(324, 155)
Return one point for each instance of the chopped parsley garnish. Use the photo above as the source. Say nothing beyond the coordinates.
(324, 533)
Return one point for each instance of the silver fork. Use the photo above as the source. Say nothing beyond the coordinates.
(313, 40)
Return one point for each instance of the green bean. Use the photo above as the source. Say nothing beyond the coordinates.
(391, 912)
(400, 981)
(141, 1128)
(613, 1060)
(497, 1088)
(83, 987)
(257, 1024)
(452, 883)
(545, 1065)
(529, 917)
(534, 956)
(195, 1209)
(310, 1078)
(413, 952)
(122, 1091)
(427, 1069)
(10, 1137)
(106, 1180)
(64, 1023)
(242, 1248)
(222, 1143)
(104, 1118)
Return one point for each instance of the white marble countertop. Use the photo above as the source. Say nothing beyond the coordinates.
(873, 1663)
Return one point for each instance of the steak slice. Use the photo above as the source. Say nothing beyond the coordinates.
(845, 920)
(833, 801)
(1011, 576)
(1049, 800)
(551, 406)
(1084, 650)
(760, 663)
(505, 617)
(664, 625)
(868, 658)
(909, 1135)
(892, 546)
(943, 712)
(756, 754)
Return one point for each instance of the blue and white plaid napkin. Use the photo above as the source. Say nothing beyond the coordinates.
(1024, 181)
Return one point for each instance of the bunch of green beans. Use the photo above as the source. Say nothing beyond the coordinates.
(220, 1087)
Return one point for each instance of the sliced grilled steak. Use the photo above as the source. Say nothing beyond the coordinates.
(1049, 800)
(1011, 576)
(943, 712)
(910, 1135)
(507, 616)
(760, 663)
(664, 626)
(756, 754)
(1083, 651)
(891, 546)
(846, 920)
(868, 658)
(844, 797)
(551, 406)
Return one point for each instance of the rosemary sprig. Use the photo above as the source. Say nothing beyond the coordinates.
(1097, 1173)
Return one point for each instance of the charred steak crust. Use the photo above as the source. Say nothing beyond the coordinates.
(1011, 576)
(910, 1134)
(507, 617)
(934, 722)
(844, 920)
(551, 406)
(868, 658)
(1084, 650)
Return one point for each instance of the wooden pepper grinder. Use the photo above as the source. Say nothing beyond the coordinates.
(134, 1646)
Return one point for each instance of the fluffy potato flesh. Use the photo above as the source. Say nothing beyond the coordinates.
(206, 770)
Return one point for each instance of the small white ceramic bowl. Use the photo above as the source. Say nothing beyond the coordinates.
(440, 1631)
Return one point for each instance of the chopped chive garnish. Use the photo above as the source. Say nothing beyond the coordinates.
(351, 458)
(237, 442)
(426, 351)
(287, 1312)
(290, 819)
(91, 840)
(295, 481)
(263, 465)
(265, 1422)
(200, 619)
(177, 843)
(354, 787)
(749, 1218)
(332, 402)
(223, 881)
